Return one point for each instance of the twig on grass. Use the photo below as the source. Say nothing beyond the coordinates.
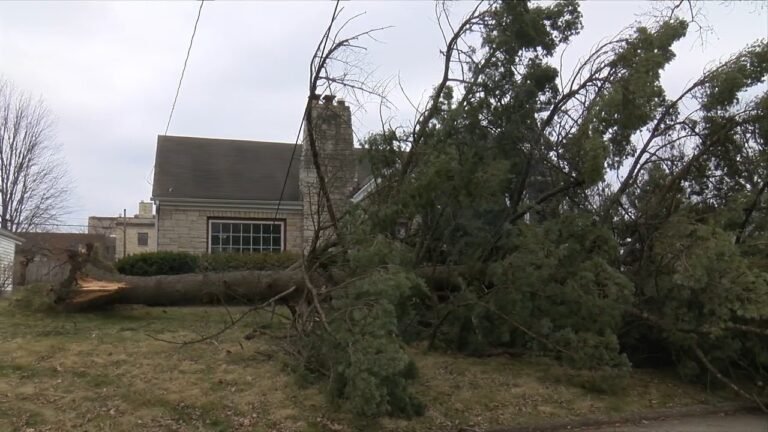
(228, 326)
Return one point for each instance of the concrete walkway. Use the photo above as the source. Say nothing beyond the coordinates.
(715, 423)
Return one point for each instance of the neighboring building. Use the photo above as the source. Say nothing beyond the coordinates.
(221, 195)
(8, 243)
(43, 256)
(132, 235)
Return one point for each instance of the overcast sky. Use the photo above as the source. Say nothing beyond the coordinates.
(108, 71)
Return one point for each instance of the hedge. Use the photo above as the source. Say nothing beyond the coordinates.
(157, 263)
(259, 261)
(168, 263)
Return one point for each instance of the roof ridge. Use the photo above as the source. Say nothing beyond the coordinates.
(200, 138)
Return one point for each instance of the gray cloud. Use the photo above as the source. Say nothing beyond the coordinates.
(108, 71)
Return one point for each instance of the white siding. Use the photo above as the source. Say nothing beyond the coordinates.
(7, 251)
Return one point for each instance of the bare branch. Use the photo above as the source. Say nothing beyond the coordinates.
(725, 380)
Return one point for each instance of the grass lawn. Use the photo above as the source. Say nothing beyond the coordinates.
(101, 372)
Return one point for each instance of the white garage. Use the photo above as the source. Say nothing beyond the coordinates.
(8, 243)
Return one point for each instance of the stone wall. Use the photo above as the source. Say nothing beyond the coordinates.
(332, 126)
(186, 228)
(122, 229)
(132, 234)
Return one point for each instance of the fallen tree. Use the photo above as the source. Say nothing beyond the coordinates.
(91, 285)
(242, 287)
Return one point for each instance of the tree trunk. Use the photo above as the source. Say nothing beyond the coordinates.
(100, 289)
(91, 285)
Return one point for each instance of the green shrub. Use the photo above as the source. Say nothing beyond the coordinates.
(158, 263)
(169, 263)
(258, 261)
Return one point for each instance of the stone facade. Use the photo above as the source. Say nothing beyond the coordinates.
(127, 230)
(185, 228)
(332, 126)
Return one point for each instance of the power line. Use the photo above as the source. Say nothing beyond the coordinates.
(307, 107)
(290, 162)
(181, 79)
(61, 225)
(184, 68)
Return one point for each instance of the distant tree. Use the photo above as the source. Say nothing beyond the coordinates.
(34, 190)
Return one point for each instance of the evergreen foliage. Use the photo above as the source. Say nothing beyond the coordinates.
(583, 215)
(360, 351)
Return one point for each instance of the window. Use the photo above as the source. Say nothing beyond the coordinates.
(244, 236)
(143, 239)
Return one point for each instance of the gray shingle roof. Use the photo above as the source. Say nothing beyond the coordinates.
(211, 168)
(206, 168)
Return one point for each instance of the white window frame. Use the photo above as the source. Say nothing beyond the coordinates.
(281, 224)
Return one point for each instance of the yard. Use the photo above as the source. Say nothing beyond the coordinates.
(101, 371)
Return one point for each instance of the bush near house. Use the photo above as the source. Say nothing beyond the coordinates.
(157, 263)
(230, 262)
(169, 263)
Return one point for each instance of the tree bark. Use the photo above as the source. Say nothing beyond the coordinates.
(101, 290)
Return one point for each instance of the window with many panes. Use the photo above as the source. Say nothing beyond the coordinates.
(244, 236)
(142, 239)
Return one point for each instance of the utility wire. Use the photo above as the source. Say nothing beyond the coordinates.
(307, 107)
(290, 162)
(148, 178)
(61, 225)
(184, 68)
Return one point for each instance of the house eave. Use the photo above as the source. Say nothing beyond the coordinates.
(229, 204)
(364, 191)
(10, 236)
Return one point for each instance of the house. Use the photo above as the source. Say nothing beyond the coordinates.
(223, 195)
(8, 243)
(131, 235)
(42, 258)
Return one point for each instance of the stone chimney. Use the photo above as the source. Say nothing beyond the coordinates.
(332, 126)
(145, 209)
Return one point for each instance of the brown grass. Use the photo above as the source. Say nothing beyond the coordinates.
(101, 372)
